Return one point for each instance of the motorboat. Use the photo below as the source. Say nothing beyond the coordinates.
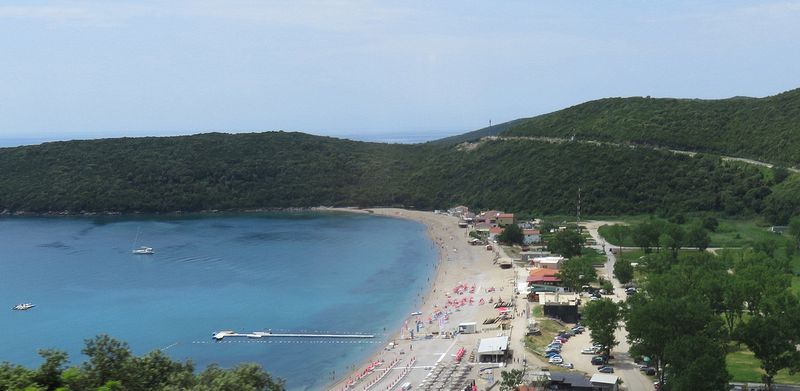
(144, 250)
(23, 306)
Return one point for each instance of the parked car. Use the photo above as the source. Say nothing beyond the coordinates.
(548, 351)
(598, 360)
(552, 354)
(605, 369)
(649, 371)
(555, 360)
(567, 365)
(591, 350)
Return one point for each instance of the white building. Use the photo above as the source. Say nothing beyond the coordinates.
(492, 349)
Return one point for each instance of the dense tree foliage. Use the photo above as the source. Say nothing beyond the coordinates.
(577, 272)
(676, 307)
(764, 129)
(602, 318)
(112, 366)
(623, 271)
(512, 234)
(278, 170)
(568, 243)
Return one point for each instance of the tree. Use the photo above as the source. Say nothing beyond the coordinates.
(697, 363)
(602, 318)
(698, 237)
(49, 373)
(623, 271)
(773, 335)
(567, 243)
(107, 359)
(577, 272)
(794, 229)
(511, 379)
(710, 223)
(512, 234)
(646, 235)
(618, 233)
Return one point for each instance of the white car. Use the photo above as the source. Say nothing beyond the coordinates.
(567, 365)
(592, 350)
(555, 360)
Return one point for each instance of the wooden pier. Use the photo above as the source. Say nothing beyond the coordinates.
(219, 335)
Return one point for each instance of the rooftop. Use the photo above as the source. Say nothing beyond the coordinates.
(603, 378)
(495, 344)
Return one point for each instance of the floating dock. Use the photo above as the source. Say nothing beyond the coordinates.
(219, 335)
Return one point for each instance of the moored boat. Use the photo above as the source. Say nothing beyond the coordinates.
(23, 306)
(144, 250)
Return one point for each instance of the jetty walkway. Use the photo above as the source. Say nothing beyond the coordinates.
(220, 335)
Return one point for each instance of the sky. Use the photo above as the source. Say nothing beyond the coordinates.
(369, 69)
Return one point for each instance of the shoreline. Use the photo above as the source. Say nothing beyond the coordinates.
(340, 381)
(457, 263)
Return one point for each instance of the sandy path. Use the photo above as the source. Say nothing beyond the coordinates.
(459, 262)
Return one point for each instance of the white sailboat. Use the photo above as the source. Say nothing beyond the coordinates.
(143, 250)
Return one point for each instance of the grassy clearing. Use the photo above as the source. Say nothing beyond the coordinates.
(597, 257)
(537, 343)
(745, 367)
(743, 233)
(729, 233)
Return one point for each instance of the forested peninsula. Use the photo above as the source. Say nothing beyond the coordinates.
(217, 171)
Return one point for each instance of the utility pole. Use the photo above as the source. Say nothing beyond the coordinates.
(579, 210)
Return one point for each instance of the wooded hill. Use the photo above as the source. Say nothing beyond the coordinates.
(280, 170)
(766, 129)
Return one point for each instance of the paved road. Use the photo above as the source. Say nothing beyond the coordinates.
(561, 140)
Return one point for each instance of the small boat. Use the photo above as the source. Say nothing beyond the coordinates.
(23, 307)
(144, 250)
(141, 250)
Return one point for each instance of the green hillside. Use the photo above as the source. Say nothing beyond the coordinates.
(766, 129)
(280, 170)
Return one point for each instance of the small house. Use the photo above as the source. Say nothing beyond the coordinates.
(494, 232)
(531, 236)
(553, 263)
(504, 219)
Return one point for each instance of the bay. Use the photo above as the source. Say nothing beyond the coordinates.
(300, 272)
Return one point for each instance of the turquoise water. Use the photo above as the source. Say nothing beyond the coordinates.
(279, 271)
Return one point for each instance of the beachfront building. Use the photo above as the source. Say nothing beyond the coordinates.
(504, 219)
(494, 232)
(572, 381)
(527, 256)
(459, 211)
(553, 263)
(493, 349)
(535, 290)
(531, 236)
(538, 276)
(563, 306)
(490, 216)
(604, 382)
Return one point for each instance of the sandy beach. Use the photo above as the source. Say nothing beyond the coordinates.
(481, 280)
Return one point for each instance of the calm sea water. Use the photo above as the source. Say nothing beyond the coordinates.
(294, 272)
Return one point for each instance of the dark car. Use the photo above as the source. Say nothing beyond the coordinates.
(598, 360)
(649, 371)
(605, 369)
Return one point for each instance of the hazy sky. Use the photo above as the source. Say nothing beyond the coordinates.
(346, 67)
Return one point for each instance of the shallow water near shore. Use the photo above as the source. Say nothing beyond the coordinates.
(332, 272)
